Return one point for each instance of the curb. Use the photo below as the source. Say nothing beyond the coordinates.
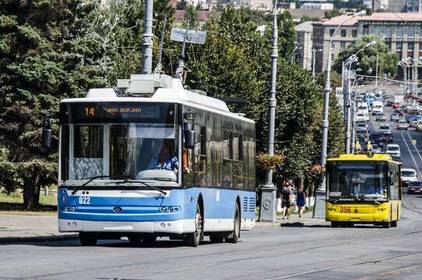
(34, 239)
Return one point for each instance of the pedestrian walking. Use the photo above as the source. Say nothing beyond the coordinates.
(286, 198)
(301, 200)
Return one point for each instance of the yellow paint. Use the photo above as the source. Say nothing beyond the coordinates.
(363, 212)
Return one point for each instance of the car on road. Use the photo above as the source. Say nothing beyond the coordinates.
(402, 124)
(376, 149)
(394, 151)
(385, 127)
(361, 127)
(408, 175)
(380, 118)
(419, 126)
(396, 105)
(413, 123)
(394, 117)
(414, 187)
(387, 137)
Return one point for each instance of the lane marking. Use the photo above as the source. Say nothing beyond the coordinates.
(410, 152)
(414, 145)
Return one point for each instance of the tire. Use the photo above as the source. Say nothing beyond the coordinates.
(386, 224)
(216, 238)
(235, 234)
(334, 224)
(394, 223)
(88, 238)
(193, 239)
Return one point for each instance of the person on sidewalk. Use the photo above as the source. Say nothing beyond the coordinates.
(300, 200)
(286, 196)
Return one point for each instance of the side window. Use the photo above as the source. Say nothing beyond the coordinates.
(200, 155)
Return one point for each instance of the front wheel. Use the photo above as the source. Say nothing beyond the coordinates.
(235, 234)
(193, 239)
(387, 224)
(88, 238)
(394, 223)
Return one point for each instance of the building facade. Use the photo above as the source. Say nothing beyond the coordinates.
(303, 55)
(402, 33)
(398, 6)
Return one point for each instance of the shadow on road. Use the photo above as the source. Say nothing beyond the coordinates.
(301, 224)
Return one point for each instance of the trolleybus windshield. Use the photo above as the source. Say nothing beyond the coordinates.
(136, 141)
(356, 180)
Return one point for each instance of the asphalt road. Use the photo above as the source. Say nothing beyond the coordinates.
(312, 250)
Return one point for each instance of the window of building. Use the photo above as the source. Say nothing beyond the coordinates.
(399, 46)
(388, 44)
(366, 29)
(354, 33)
(332, 32)
(342, 45)
(343, 33)
(410, 46)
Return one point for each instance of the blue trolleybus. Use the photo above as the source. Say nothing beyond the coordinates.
(149, 159)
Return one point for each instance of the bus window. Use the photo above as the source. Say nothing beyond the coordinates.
(200, 155)
(88, 151)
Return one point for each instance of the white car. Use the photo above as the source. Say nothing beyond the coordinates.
(408, 175)
(402, 124)
(385, 127)
(394, 151)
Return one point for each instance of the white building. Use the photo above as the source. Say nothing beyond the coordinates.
(317, 6)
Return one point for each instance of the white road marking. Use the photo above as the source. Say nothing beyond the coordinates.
(410, 152)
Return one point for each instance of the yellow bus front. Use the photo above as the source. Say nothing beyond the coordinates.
(363, 189)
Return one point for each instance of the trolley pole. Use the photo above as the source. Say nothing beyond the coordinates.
(268, 191)
(147, 38)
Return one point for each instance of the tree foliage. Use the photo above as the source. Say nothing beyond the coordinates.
(387, 61)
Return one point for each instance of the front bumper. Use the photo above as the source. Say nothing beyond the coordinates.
(170, 227)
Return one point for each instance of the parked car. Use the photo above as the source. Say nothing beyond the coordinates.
(394, 151)
(408, 175)
(419, 126)
(376, 149)
(396, 105)
(402, 124)
(414, 187)
(394, 117)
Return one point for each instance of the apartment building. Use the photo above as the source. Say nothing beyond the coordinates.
(402, 32)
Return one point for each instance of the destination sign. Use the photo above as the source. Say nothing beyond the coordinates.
(188, 35)
(116, 112)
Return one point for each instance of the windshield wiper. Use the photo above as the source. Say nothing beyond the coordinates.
(125, 181)
(90, 179)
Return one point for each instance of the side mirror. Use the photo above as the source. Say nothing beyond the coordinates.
(46, 132)
(190, 139)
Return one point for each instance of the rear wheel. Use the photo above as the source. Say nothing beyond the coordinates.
(394, 223)
(235, 234)
(193, 239)
(88, 238)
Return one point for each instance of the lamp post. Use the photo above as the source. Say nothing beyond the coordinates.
(347, 95)
(147, 38)
(268, 191)
(320, 192)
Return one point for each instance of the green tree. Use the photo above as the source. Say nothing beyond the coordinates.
(387, 61)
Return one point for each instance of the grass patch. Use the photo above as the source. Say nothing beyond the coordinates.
(13, 202)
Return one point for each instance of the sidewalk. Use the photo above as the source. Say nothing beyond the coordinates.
(24, 228)
(294, 221)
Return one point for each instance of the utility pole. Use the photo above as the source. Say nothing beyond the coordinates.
(147, 38)
(268, 194)
(376, 73)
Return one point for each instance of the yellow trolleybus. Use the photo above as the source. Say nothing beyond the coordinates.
(363, 189)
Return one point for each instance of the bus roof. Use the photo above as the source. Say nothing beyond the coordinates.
(362, 157)
(156, 88)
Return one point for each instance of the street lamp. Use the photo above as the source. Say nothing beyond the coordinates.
(268, 191)
(348, 115)
(320, 193)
